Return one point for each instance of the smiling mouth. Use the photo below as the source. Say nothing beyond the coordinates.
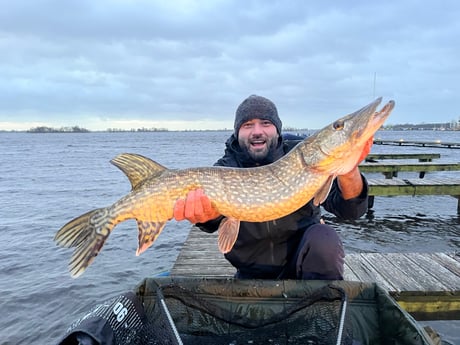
(258, 143)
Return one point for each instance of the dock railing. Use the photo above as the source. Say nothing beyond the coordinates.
(421, 157)
(402, 142)
(392, 186)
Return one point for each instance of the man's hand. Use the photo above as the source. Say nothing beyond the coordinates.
(351, 184)
(196, 208)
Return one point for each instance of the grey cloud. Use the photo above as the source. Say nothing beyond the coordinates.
(193, 60)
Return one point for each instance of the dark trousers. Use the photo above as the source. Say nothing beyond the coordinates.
(320, 255)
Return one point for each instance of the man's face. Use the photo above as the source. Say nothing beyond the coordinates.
(258, 137)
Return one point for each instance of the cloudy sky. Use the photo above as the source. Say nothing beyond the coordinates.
(188, 64)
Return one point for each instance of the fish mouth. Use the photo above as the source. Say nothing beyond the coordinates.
(375, 119)
(378, 117)
(353, 131)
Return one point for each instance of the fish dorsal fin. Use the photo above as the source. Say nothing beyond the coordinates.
(323, 192)
(136, 167)
(228, 233)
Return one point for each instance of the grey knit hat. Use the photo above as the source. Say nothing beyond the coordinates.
(257, 107)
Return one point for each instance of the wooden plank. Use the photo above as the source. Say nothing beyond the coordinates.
(365, 272)
(348, 273)
(429, 307)
(439, 186)
(392, 169)
(402, 142)
(427, 274)
(399, 277)
(200, 257)
(438, 271)
(414, 166)
(448, 261)
(412, 187)
(439, 304)
(422, 157)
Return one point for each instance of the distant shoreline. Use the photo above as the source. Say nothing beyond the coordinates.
(77, 129)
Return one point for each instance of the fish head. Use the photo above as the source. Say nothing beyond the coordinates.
(337, 147)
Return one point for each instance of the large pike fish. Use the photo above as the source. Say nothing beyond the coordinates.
(252, 194)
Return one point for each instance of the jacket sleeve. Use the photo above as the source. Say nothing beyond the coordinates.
(210, 226)
(347, 209)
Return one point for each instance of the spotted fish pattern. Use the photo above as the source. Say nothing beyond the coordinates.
(250, 194)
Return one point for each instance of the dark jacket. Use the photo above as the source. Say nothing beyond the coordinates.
(263, 249)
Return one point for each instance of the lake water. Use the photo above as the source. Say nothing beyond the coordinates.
(48, 179)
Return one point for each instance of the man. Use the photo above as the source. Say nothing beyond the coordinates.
(297, 246)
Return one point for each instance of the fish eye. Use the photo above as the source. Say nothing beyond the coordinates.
(338, 125)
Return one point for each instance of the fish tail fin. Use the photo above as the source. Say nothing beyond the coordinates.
(87, 234)
(148, 233)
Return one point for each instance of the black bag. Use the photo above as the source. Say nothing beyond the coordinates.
(118, 321)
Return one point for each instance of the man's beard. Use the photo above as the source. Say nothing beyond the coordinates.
(268, 155)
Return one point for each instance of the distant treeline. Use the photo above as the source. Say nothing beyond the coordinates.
(446, 126)
(44, 129)
(78, 129)
(138, 130)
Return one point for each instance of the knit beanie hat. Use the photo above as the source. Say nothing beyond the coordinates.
(256, 107)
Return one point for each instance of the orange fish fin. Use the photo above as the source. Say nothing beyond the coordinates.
(228, 233)
(323, 192)
(136, 167)
(148, 233)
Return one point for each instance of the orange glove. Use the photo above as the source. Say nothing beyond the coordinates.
(196, 208)
(366, 149)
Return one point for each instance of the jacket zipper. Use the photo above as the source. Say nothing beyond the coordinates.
(272, 245)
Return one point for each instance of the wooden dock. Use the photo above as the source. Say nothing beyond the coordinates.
(413, 187)
(392, 169)
(426, 284)
(402, 142)
(421, 157)
(390, 186)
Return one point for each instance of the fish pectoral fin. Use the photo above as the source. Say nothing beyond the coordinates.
(148, 233)
(323, 192)
(228, 233)
(137, 168)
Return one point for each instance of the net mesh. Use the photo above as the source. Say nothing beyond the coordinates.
(181, 310)
(177, 315)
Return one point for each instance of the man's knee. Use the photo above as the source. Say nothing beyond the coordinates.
(322, 236)
(321, 254)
